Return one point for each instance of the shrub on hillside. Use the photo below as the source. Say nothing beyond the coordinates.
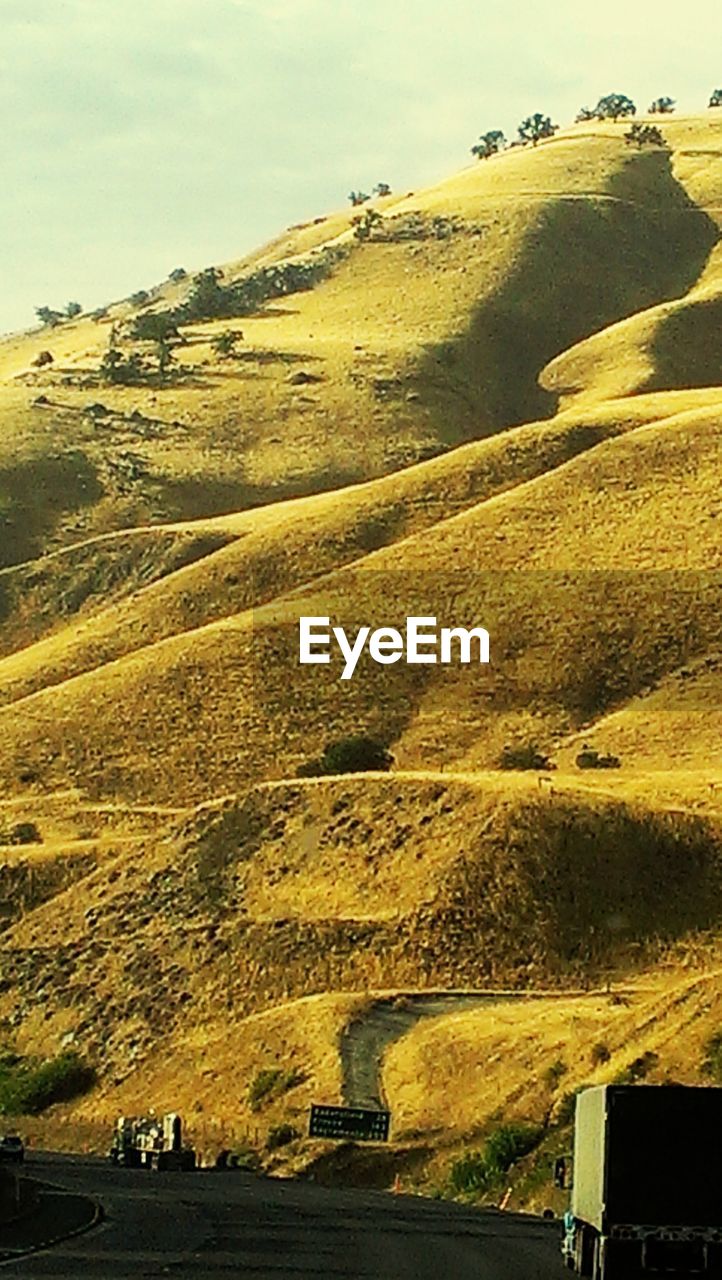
(349, 755)
(645, 135)
(139, 298)
(599, 1054)
(716, 98)
(524, 755)
(210, 299)
(178, 274)
(42, 358)
(122, 370)
(28, 1087)
(382, 189)
(638, 1069)
(358, 197)
(481, 1170)
(555, 1073)
(662, 106)
(364, 223)
(224, 344)
(73, 309)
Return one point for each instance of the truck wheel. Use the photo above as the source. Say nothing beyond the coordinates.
(587, 1253)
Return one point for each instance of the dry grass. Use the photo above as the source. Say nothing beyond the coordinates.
(149, 651)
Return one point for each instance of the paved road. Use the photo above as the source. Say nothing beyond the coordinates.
(209, 1225)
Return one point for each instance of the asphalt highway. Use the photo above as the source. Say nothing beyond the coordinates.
(211, 1224)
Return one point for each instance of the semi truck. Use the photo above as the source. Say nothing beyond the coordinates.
(646, 1183)
(151, 1142)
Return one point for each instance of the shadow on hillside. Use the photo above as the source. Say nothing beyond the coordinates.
(201, 497)
(35, 494)
(686, 349)
(583, 265)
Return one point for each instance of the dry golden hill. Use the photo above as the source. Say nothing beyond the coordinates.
(501, 409)
(432, 332)
(595, 580)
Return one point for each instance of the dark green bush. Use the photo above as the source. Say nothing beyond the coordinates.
(155, 326)
(523, 755)
(554, 1074)
(29, 1086)
(281, 1136)
(480, 1170)
(349, 755)
(638, 1070)
(600, 1054)
(645, 135)
(121, 369)
(224, 344)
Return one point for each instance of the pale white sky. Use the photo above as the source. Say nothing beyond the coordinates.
(141, 135)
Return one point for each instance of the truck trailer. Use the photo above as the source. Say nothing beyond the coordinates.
(646, 1195)
(151, 1142)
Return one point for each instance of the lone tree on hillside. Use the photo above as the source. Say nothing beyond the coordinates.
(662, 107)
(536, 127)
(382, 189)
(489, 144)
(46, 315)
(349, 755)
(716, 98)
(178, 274)
(584, 114)
(156, 326)
(614, 105)
(645, 135)
(72, 310)
(358, 197)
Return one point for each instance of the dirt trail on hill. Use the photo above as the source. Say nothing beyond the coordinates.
(366, 1038)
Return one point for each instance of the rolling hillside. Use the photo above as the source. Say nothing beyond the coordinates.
(502, 408)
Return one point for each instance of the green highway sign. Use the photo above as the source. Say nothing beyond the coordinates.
(355, 1123)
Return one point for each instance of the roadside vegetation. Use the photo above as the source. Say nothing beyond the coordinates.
(28, 1086)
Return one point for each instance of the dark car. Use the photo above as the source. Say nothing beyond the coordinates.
(12, 1150)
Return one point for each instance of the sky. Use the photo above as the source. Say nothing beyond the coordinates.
(137, 136)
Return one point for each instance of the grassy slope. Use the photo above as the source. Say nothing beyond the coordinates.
(464, 323)
(162, 675)
(226, 702)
